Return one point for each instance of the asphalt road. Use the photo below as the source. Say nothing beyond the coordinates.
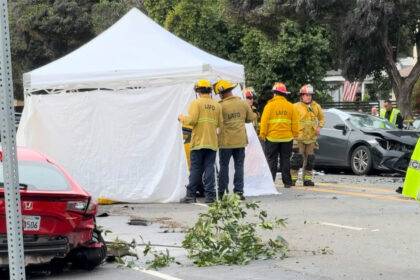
(344, 228)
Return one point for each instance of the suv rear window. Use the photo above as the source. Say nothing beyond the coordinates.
(38, 176)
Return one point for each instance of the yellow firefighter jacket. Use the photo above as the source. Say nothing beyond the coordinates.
(205, 116)
(309, 118)
(236, 112)
(278, 121)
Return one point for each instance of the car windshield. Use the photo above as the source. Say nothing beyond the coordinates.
(39, 176)
(367, 121)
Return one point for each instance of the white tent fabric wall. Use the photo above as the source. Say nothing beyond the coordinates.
(125, 146)
(258, 180)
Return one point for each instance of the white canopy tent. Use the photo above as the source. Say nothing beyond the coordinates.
(112, 120)
(133, 51)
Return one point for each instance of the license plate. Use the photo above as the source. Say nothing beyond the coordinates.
(31, 223)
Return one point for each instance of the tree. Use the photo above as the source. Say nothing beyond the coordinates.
(381, 87)
(416, 97)
(107, 12)
(377, 32)
(45, 31)
(201, 23)
(159, 9)
(298, 55)
(370, 34)
(49, 29)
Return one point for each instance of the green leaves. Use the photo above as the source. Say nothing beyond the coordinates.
(160, 259)
(202, 24)
(223, 236)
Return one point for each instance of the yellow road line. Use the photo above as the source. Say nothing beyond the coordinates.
(365, 195)
(356, 187)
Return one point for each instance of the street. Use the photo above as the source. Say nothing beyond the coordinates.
(120, 120)
(335, 231)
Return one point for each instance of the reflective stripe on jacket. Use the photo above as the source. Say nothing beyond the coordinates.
(278, 120)
(236, 112)
(204, 116)
(309, 118)
(393, 117)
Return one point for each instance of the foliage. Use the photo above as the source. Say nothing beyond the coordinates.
(381, 87)
(222, 236)
(48, 29)
(120, 249)
(376, 35)
(298, 55)
(107, 12)
(368, 35)
(322, 97)
(202, 24)
(44, 31)
(159, 9)
(366, 96)
(160, 259)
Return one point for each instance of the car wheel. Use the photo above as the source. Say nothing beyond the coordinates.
(361, 160)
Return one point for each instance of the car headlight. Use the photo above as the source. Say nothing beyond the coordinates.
(372, 141)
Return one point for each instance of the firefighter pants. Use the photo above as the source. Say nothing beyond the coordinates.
(283, 149)
(202, 170)
(304, 152)
(238, 155)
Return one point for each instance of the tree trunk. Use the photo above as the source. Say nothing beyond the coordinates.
(403, 95)
(402, 86)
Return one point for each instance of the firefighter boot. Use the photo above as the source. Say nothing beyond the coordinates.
(308, 172)
(188, 199)
(308, 183)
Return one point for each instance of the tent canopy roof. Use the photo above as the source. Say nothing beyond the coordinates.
(132, 52)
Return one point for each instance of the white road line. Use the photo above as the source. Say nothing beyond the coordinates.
(159, 274)
(342, 226)
(374, 230)
(201, 204)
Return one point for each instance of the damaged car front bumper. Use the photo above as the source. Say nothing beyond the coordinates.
(390, 155)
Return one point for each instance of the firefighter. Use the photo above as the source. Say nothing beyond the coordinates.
(250, 96)
(310, 119)
(232, 138)
(392, 114)
(204, 116)
(277, 129)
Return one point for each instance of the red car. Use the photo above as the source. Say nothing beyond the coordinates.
(58, 216)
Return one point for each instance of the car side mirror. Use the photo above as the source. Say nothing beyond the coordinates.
(341, 127)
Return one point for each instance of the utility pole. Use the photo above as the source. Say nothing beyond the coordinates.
(9, 156)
